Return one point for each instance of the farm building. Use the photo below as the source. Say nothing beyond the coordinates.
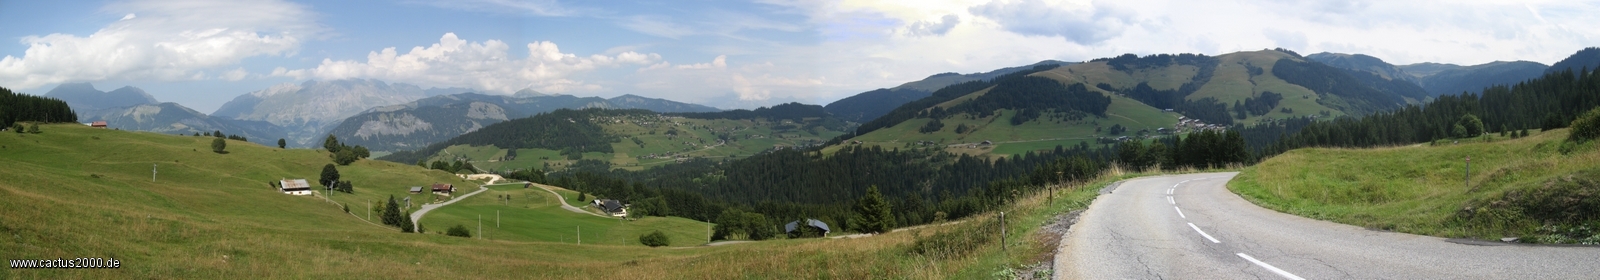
(294, 186)
(416, 189)
(612, 207)
(793, 228)
(444, 189)
(99, 124)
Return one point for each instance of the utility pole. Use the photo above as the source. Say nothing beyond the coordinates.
(580, 235)
(152, 173)
(496, 218)
(480, 226)
(1466, 177)
(369, 210)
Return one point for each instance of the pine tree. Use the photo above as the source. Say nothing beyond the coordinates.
(872, 213)
(405, 223)
(391, 212)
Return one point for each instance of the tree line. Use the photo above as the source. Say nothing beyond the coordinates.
(1549, 102)
(19, 107)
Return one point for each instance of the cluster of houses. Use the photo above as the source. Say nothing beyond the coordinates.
(1193, 125)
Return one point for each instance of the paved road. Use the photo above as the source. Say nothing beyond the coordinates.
(1207, 232)
(416, 217)
(564, 204)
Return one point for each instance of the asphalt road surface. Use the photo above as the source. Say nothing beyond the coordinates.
(1192, 227)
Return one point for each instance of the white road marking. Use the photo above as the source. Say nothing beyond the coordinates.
(1169, 201)
(1203, 233)
(1169, 191)
(1180, 213)
(1274, 269)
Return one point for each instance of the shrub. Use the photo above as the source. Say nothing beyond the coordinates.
(217, 145)
(654, 239)
(33, 128)
(1586, 127)
(458, 230)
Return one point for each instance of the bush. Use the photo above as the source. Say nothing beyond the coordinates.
(458, 230)
(654, 239)
(217, 145)
(1586, 127)
(34, 128)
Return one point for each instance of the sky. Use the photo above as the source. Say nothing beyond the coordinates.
(727, 54)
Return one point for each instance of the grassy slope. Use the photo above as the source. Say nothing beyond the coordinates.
(534, 215)
(1232, 82)
(1043, 133)
(1413, 189)
(753, 136)
(213, 216)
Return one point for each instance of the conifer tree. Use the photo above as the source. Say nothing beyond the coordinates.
(405, 223)
(872, 213)
(391, 212)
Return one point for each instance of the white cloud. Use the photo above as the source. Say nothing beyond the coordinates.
(235, 75)
(487, 65)
(934, 28)
(162, 40)
(1081, 23)
(528, 7)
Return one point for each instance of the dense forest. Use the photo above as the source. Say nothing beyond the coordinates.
(1359, 97)
(1549, 102)
(562, 129)
(18, 107)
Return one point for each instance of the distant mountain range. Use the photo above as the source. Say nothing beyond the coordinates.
(419, 123)
(1224, 89)
(1437, 78)
(86, 100)
(382, 115)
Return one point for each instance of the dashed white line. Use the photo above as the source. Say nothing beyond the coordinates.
(1274, 269)
(1203, 233)
(1169, 201)
(1180, 213)
(1169, 191)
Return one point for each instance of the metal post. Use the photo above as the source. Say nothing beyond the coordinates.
(152, 173)
(580, 235)
(1003, 244)
(480, 226)
(496, 218)
(1466, 178)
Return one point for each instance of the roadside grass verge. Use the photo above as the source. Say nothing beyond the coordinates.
(1538, 188)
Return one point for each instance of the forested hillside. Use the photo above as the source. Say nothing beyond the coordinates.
(1548, 102)
(570, 130)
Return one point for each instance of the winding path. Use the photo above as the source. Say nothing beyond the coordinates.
(1192, 227)
(416, 217)
(564, 204)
